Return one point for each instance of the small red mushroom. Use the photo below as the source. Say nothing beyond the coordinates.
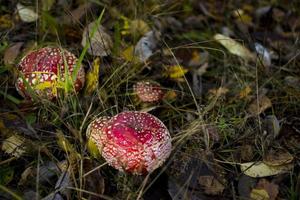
(148, 91)
(44, 68)
(131, 141)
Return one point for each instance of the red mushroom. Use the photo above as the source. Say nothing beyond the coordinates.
(134, 142)
(44, 68)
(148, 91)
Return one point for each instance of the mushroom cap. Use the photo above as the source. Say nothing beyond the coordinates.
(148, 91)
(44, 68)
(131, 141)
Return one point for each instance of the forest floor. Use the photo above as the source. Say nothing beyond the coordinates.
(230, 73)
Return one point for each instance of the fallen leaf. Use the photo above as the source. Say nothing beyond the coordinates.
(221, 91)
(134, 27)
(260, 169)
(12, 52)
(259, 194)
(271, 125)
(64, 143)
(93, 179)
(26, 14)
(247, 152)
(277, 158)
(75, 15)
(211, 185)
(244, 93)
(245, 185)
(292, 81)
(176, 71)
(138, 26)
(234, 47)
(101, 42)
(146, 45)
(92, 77)
(264, 190)
(259, 105)
(61, 187)
(179, 192)
(46, 172)
(128, 54)
(202, 69)
(6, 21)
(242, 16)
(93, 149)
(263, 53)
(14, 145)
(170, 95)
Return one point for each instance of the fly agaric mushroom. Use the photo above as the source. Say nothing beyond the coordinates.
(131, 141)
(148, 91)
(44, 69)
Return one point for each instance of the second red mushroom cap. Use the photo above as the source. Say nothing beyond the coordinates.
(135, 142)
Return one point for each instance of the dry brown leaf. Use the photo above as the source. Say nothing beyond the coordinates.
(211, 185)
(247, 152)
(221, 91)
(265, 190)
(75, 15)
(101, 42)
(259, 105)
(94, 181)
(12, 52)
(277, 158)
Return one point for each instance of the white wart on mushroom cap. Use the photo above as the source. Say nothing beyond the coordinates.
(135, 142)
(148, 91)
(47, 66)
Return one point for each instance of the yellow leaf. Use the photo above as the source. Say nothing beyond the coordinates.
(14, 145)
(139, 26)
(176, 71)
(64, 143)
(242, 16)
(234, 47)
(245, 92)
(133, 27)
(43, 85)
(259, 194)
(260, 169)
(93, 149)
(92, 77)
(128, 54)
(170, 95)
(6, 22)
(125, 28)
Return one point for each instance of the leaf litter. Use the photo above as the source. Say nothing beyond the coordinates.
(231, 101)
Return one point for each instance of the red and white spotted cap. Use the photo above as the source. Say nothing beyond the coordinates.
(131, 141)
(148, 91)
(44, 68)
